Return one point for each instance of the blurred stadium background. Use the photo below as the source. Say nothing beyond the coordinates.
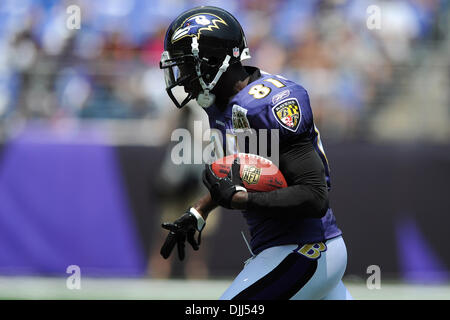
(85, 126)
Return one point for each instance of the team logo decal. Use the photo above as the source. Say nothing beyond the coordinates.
(236, 52)
(239, 118)
(196, 24)
(251, 174)
(312, 250)
(288, 114)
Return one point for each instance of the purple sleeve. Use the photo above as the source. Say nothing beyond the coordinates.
(291, 115)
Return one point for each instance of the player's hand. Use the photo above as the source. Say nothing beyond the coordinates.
(181, 230)
(223, 189)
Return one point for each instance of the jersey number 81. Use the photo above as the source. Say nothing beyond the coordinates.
(260, 91)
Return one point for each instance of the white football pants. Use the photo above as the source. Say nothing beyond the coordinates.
(308, 272)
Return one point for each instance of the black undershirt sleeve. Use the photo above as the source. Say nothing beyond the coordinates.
(306, 195)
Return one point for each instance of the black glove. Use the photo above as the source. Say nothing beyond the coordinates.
(223, 189)
(181, 230)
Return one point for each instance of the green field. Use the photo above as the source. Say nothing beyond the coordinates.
(161, 289)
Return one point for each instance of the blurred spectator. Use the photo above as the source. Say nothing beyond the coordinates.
(109, 67)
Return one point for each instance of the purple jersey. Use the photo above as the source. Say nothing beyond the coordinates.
(273, 102)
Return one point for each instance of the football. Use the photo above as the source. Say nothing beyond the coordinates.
(258, 174)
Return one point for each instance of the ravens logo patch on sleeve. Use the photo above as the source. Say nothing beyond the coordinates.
(288, 113)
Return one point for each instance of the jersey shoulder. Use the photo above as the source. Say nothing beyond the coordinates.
(273, 101)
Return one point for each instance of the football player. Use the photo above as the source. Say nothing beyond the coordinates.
(297, 249)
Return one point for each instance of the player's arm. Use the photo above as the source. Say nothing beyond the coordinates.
(205, 205)
(306, 195)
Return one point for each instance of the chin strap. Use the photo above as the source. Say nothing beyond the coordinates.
(205, 99)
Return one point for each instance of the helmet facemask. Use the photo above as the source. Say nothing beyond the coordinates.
(176, 74)
(193, 72)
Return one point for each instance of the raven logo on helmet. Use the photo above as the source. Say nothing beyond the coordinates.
(196, 24)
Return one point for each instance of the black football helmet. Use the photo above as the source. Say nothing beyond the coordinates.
(199, 46)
